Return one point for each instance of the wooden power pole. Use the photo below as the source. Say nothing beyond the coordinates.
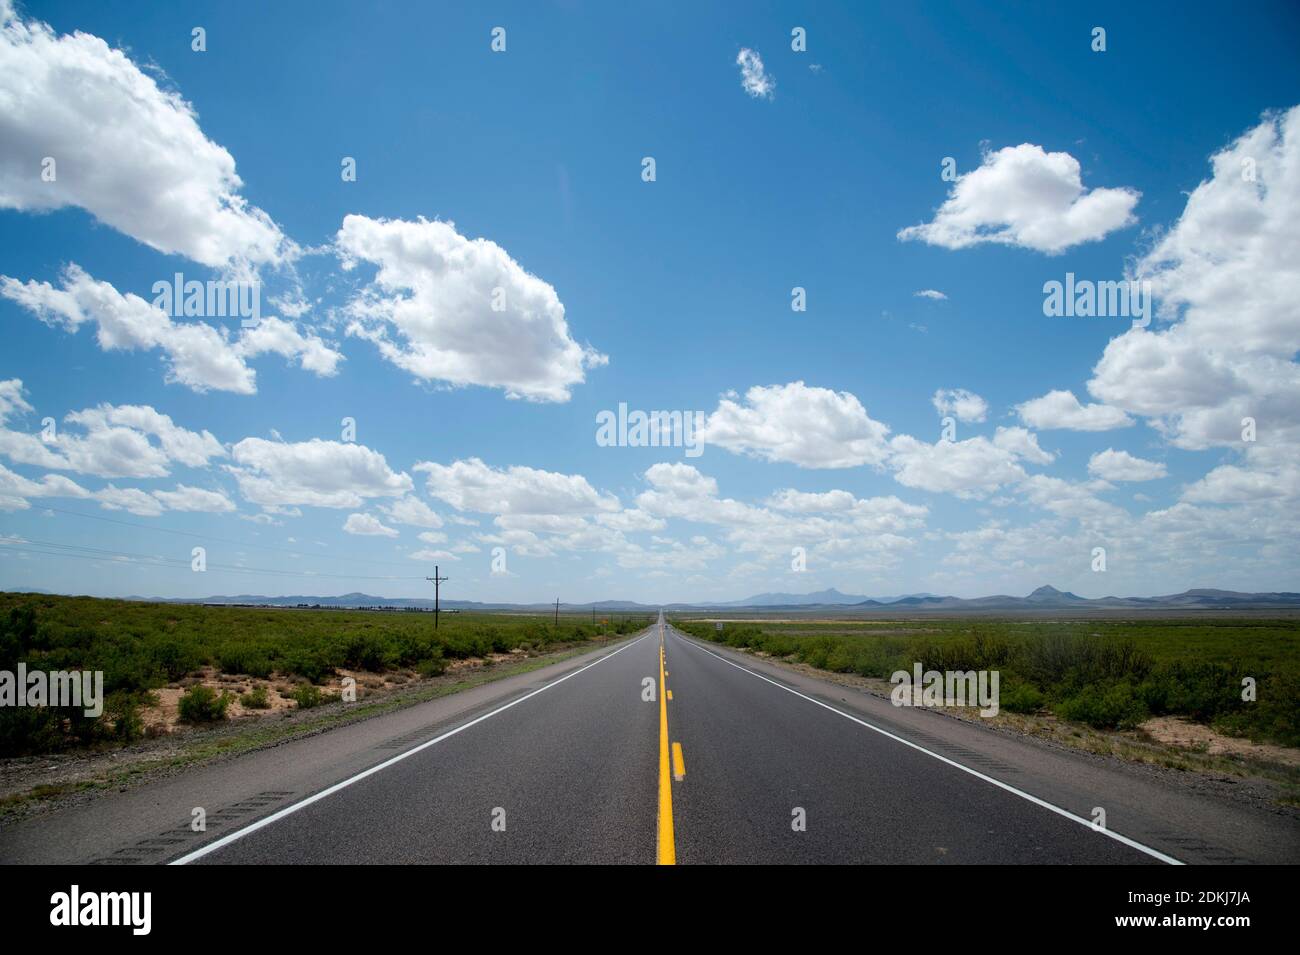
(437, 581)
(557, 609)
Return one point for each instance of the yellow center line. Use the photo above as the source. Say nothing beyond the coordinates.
(679, 762)
(667, 849)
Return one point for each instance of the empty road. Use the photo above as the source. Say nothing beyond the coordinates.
(705, 762)
(666, 749)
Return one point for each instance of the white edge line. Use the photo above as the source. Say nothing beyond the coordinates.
(316, 797)
(1154, 853)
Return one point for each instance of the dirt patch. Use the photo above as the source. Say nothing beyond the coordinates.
(1173, 731)
(163, 717)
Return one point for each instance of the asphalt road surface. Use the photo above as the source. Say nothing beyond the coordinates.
(662, 748)
(700, 761)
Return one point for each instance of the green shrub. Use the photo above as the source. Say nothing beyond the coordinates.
(313, 664)
(256, 699)
(431, 662)
(408, 651)
(175, 658)
(1077, 660)
(1201, 691)
(141, 646)
(980, 651)
(26, 730)
(309, 696)
(1117, 706)
(202, 704)
(363, 652)
(839, 659)
(17, 635)
(244, 660)
(432, 666)
(1107, 673)
(1021, 698)
(816, 652)
(123, 709)
(1274, 715)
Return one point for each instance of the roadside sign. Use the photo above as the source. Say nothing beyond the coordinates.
(718, 627)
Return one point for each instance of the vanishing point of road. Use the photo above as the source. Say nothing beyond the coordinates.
(665, 751)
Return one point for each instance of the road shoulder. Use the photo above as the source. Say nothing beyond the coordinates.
(150, 818)
(1161, 808)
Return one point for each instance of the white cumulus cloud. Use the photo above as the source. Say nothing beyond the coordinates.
(1061, 409)
(1112, 465)
(368, 525)
(196, 354)
(316, 473)
(127, 151)
(1023, 444)
(106, 441)
(810, 427)
(412, 511)
(451, 309)
(1228, 285)
(1025, 196)
(185, 498)
(472, 485)
(975, 467)
(966, 405)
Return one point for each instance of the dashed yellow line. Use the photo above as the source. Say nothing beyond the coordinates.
(667, 849)
(679, 763)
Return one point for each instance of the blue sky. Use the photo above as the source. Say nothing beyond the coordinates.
(666, 295)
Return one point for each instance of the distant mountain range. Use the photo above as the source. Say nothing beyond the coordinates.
(826, 598)
(1044, 598)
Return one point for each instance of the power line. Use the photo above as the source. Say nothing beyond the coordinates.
(221, 540)
(175, 563)
(437, 582)
(169, 564)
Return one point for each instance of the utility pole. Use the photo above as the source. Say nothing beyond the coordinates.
(557, 608)
(436, 582)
